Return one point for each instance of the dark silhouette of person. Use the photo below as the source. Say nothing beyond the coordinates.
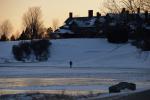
(70, 63)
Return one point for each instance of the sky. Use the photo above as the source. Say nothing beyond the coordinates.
(51, 9)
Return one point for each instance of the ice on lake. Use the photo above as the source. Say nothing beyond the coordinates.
(75, 79)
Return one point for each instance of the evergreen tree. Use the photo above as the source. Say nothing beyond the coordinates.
(4, 38)
(12, 38)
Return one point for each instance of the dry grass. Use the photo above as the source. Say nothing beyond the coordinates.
(37, 96)
(46, 96)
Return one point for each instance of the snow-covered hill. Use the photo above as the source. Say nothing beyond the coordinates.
(83, 53)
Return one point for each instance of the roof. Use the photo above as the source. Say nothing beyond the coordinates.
(141, 15)
(91, 22)
(84, 21)
(63, 31)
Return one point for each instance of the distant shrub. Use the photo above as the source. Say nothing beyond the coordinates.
(146, 39)
(145, 46)
(117, 33)
(37, 48)
(143, 40)
(26, 49)
(41, 49)
(17, 52)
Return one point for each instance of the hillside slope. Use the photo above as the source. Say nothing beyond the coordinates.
(83, 53)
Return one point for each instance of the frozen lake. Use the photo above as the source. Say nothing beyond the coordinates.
(75, 79)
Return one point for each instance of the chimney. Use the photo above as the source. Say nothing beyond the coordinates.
(90, 14)
(146, 15)
(98, 14)
(123, 10)
(70, 15)
(138, 10)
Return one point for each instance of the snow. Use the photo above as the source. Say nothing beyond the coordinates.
(133, 27)
(102, 20)
(147, 27)
(97, 65)
(83, 23)
(117, 95)
(112, 24)
(82, 96)
(84, 53)
(66, 26)
(64, 31)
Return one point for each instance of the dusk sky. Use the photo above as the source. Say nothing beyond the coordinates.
(51, 9)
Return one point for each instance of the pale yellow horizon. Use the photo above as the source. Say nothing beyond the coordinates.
(51, 9)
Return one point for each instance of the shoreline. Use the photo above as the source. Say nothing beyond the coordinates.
(143, 94)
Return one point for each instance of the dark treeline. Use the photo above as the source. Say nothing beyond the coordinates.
(132, 22)
(124, 26)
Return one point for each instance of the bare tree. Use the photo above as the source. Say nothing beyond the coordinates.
(133, 5)
(17, 34)
(112, 6)
(32, 21)
(6, 28)
(147, 4)
(55, 24)
(130, 5)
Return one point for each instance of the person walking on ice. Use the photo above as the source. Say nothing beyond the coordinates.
(70, 63)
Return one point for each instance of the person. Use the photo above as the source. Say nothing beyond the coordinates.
(70, 63)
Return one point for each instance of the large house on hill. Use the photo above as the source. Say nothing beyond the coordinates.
(89, 26)
(99, 26)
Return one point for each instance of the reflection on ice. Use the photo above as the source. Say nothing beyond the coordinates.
(75, 79)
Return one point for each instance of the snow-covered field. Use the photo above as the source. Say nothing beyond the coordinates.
(97, 65)
(84, 53)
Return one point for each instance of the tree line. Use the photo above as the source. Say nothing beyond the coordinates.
(33, 27)
(115, 6)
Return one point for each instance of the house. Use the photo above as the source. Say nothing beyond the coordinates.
(117, 27)
(123, 26)
(76, 27)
